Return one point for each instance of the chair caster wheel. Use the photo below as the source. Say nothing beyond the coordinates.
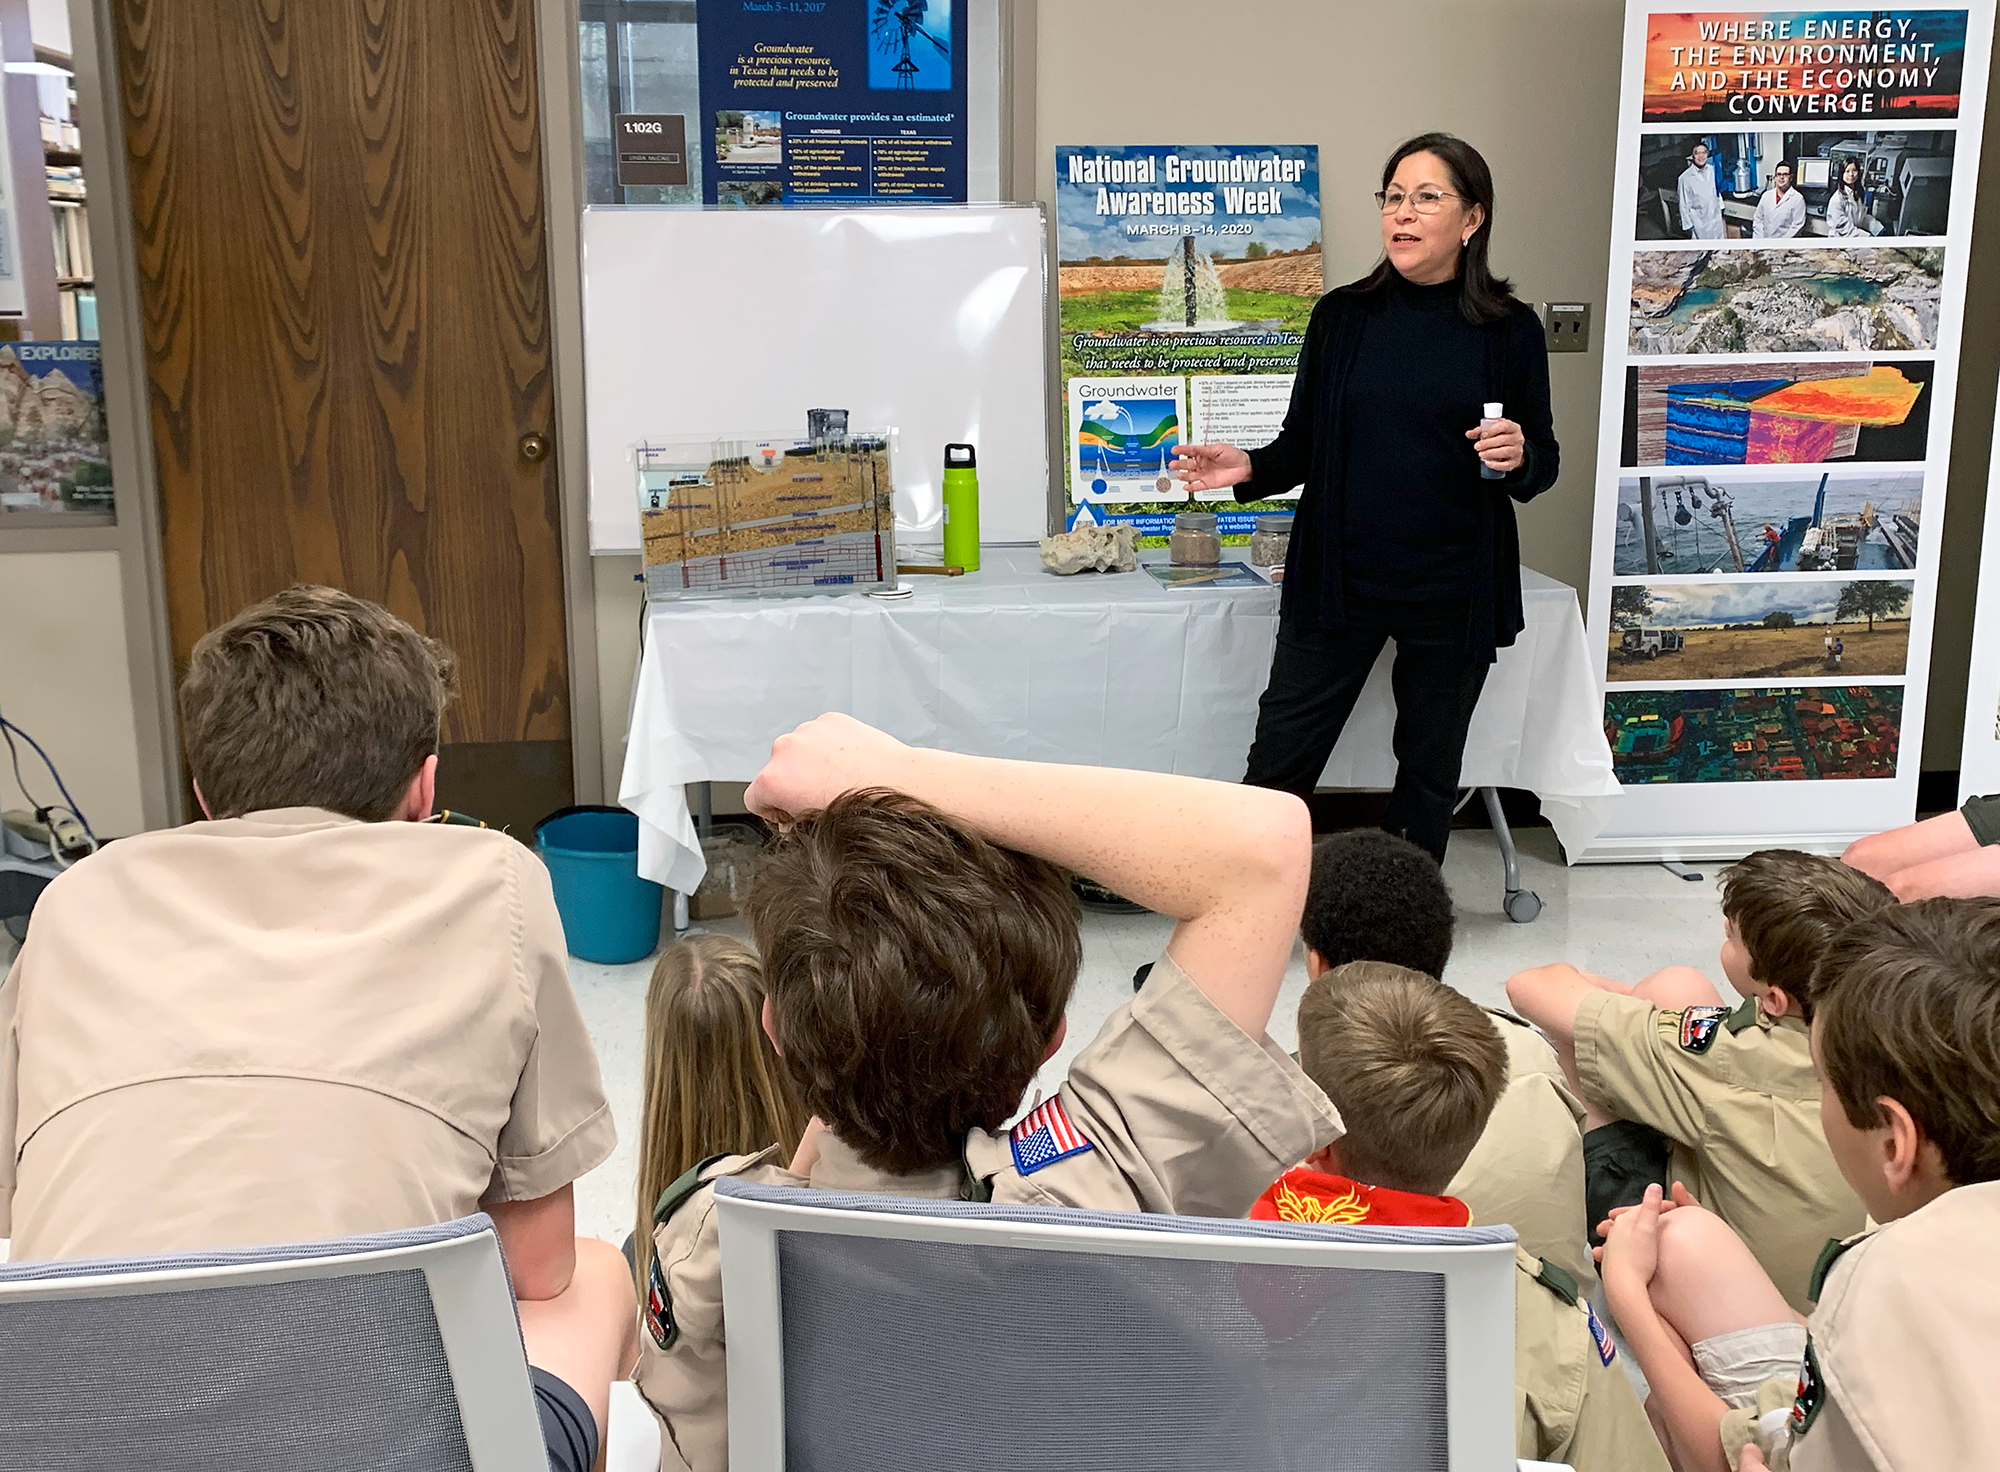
(1523, 905)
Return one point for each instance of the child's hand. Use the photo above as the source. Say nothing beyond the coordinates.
(1679, 1199)
(1631, 1253)
(820, 760)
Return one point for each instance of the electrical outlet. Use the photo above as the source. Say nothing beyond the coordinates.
(1567, 325)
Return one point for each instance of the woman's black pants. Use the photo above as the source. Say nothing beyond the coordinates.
(1317, 675)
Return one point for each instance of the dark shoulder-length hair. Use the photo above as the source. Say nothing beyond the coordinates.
(1482, 296)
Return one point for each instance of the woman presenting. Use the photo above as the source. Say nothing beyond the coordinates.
(1400, 533)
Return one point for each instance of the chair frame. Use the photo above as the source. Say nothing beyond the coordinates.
(471, 1296)
(1478, 1298)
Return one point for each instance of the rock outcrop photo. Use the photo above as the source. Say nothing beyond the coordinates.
(1799, 300)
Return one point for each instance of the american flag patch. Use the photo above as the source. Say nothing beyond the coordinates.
(1606, 1350)
(1045, 1137)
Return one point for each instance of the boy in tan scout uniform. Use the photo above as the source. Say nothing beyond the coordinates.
(1897, 1366)
(920, 944)
(313, 1015)
(1378, 897)
(1416, 1070)
(1733, 1091)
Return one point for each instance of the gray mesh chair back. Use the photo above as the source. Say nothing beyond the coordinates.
(879, 1334)
(393, 1353)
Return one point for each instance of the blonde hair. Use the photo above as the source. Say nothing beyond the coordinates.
(1413, 1067)
(714, 1084)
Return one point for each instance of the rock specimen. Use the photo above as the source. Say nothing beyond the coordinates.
(1091, 549)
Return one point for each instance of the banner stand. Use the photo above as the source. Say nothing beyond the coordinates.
(1792, 219)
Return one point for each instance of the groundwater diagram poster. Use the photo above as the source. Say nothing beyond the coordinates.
(1187, 275)
(1794, 200)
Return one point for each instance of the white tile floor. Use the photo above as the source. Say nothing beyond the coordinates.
(1617, 920)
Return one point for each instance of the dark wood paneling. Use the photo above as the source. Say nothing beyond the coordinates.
(339, 223)
(505, 784)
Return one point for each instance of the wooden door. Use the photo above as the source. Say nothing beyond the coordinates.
(338, 212)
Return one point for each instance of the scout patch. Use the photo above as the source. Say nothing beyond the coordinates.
(1606, 1350)
(660, 1308)
(1699, 1026)
(1045, 1137)
(1812, 1394)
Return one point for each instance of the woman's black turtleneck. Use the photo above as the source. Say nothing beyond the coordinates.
(1390, 377)
(1412, 492)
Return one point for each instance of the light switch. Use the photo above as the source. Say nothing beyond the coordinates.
(1567, 325)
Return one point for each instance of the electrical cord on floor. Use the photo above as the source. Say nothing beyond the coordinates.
(9, 731)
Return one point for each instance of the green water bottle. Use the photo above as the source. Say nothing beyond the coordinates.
(961, 507)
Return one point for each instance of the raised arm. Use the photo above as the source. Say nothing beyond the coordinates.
(1229, 863)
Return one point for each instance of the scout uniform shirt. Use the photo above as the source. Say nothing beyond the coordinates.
(1903, 1352)
(285, 1026)
(1527, 1169)
(1736, 1093)
(1172, 1108)
(1572, 1404)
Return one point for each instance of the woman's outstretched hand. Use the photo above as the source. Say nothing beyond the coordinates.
(1210, 467)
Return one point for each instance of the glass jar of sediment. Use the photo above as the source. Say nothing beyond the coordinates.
(1195, 541)
(1271, 540)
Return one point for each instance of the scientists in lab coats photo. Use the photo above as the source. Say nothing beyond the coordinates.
(1700, 202)
(1781, 213)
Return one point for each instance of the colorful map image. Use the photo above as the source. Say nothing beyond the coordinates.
(1836, 521)
(1775, 413)
(1777, 735)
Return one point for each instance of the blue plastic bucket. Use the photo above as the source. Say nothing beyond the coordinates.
(609, 914)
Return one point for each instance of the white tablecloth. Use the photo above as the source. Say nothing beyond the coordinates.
(1108, 670)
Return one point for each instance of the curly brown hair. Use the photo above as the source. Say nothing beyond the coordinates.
(1909, 1009)
(916, 973)
(312, 699)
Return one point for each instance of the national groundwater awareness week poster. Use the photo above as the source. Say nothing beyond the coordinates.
(1187, 275)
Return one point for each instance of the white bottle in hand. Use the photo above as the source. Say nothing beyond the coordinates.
(1491, 416)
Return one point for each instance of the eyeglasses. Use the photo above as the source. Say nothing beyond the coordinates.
(1423, 201)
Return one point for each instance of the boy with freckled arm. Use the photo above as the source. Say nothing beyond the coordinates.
(1732, 1092)
(1896, 1367)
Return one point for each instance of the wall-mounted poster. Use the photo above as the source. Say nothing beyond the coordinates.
(835, 102)
(1794, 202)
(1187, 275)
(53, 451)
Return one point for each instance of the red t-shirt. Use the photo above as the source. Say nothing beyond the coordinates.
(1306, 1195)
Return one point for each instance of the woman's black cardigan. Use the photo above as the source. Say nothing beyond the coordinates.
(1309, 450)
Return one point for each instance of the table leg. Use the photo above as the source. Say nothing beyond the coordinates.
(704, 810)
(1521, 905)
(1681, 871)
(680, 913)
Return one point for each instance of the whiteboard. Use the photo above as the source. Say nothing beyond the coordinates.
(927, 320)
